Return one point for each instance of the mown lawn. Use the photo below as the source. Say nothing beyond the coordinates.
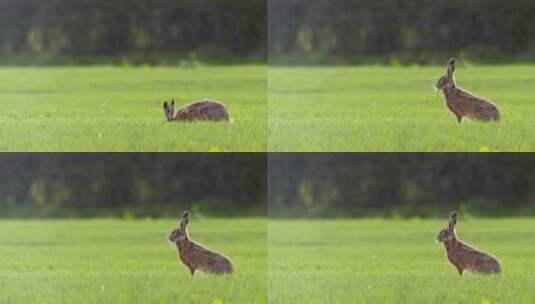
(396, 109)
(390, 261)
(119, 261)
(121, 109)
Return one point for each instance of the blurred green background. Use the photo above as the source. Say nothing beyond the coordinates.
(398, 185)
(58, 32)
(132, 185)
(398, 31)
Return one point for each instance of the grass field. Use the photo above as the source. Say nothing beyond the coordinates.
(120, 109)
(114, 261)
(382, 261)
(395, 109)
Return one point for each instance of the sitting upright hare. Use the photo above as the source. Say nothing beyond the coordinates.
(196, 256)
(463, 103)
(200, 110)
(463, 256)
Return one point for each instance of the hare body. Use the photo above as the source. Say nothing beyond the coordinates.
(198, 257)
(463, 256)
(465, 104)
(204, 110)
(195, 256)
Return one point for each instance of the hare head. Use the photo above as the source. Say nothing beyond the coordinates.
(447, 81)
(447, 234)
(169, 109)
(181, 233)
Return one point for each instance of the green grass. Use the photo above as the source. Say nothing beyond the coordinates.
(120, 109)
(116, 261)
(310, 261)
(382, 261)
(396, 109)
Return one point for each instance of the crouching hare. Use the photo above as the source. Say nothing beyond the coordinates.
(204, 110)
(463, 256)
(195, 256)
(463, 103)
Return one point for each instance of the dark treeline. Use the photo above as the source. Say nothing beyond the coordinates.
(416, 29)
(401, 184)
(135, 184)
(122, 27)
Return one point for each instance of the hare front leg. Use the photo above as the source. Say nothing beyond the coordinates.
(455, 112)
(192, 270)
(459, 118)
(460, 269)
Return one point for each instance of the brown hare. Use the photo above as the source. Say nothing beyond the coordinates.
(463, 256)
(195, 256)
(463, 103)
(204, 110)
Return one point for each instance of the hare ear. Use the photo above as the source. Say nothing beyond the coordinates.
(454, 216)
(165, 105)
(451, 66)
(184, 220)
(173, 102)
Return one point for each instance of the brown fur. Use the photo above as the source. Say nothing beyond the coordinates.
(204, 110)
(463, 256)
(464, 104)
(195, 256)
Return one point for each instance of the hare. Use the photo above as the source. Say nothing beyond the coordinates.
(195, 256)
(463, 256)
(208, 110)
(463, 103)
